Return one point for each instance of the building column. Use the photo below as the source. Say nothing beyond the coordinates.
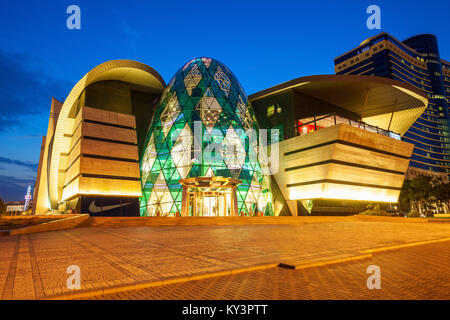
(234, 206)
(225, 205)
(194, 204)
(184, 202)
(392, 115)
(365, 104)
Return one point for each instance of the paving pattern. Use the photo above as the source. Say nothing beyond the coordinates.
(421, 272)
(35, 265)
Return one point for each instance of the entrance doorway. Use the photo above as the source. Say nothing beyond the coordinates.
(209, 196)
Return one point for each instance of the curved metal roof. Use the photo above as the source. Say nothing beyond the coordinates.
(381, 97)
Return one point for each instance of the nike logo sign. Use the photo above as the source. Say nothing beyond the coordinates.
(94, 209)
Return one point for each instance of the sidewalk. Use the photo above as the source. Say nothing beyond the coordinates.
(420, 272)
(34, 265)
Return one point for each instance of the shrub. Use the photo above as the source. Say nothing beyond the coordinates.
(375, 210)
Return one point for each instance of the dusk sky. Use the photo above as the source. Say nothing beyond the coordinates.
(264, 43)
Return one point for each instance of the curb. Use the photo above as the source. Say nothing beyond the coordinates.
(305, 265)
(155, 283)
(439, 220)
(406, 245)
(369, 218)
(55, 225)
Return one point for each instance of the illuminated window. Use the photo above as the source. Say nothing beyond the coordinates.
(270, 110)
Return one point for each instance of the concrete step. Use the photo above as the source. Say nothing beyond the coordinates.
(199, 221)
(66, 222)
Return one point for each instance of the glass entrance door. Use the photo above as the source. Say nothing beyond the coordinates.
(210, 206)
(209, 196)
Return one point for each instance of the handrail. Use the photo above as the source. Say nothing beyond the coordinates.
(360, 124)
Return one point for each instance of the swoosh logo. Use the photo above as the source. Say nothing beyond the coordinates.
(94, 209)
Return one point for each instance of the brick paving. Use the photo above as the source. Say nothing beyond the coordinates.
(421, 272)
(34, 265)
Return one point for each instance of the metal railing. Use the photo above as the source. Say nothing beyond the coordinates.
(307, 125)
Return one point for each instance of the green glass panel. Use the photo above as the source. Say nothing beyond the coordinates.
(206, 78)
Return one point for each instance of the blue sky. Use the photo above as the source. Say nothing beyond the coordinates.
(263, 42)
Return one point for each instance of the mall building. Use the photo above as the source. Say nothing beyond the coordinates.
(123, 143)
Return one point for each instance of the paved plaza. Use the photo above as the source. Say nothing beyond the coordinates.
(421, 272)
(34, 265)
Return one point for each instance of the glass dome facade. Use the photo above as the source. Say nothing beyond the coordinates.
(203, 97)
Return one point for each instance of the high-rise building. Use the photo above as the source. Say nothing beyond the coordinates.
(417, 62)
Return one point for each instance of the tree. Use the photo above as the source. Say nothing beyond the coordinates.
(415, 195)
(422, 186)
(405, 198)
(441, 192)
(424, 194)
